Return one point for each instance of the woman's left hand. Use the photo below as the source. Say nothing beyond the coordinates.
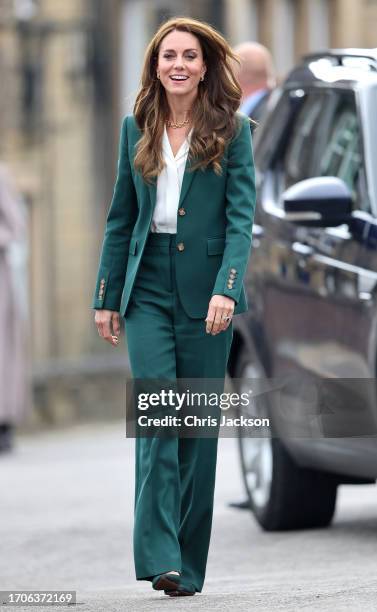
(220, 306)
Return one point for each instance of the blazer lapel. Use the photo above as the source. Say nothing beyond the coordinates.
(186, 184)
(186, 181)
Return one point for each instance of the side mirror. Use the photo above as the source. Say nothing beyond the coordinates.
(322, 201)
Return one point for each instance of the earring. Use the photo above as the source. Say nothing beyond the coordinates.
(158, 75)
(202, 77)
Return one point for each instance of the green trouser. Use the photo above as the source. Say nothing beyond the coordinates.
(174, 476)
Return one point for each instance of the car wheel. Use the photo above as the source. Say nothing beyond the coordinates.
(281, 494)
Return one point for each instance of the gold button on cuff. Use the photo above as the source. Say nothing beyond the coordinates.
(180, 246)
(233, 270)
(181, 211)
(232, 276)
(230, 286)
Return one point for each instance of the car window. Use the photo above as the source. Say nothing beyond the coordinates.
(342, 156)
(271, 138)
(305, 138)
(301, 153)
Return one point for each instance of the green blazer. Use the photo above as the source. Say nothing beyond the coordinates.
(214, 224)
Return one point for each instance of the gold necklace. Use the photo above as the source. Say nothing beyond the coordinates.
(177, 125)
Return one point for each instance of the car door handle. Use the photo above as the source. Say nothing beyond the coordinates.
(302, 249)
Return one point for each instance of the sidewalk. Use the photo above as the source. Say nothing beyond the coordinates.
(66, 508)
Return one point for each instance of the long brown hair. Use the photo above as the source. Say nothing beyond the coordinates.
(214, 114)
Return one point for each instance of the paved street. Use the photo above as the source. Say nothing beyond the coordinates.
(66, 502)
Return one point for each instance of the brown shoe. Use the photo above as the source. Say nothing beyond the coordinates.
(166, 581)
(179, 592)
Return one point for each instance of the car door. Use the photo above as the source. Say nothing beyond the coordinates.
(302, 293)
(340, 256)
(313, 283)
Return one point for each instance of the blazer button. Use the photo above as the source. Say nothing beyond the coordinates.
(180, 246)
(181, 211)
(233, 270)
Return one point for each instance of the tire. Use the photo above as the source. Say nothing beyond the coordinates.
(282, 495)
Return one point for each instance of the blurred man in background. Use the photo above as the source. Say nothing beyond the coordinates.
(256, 76)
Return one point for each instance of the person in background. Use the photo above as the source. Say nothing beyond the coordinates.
(13, 306)
(256, 76)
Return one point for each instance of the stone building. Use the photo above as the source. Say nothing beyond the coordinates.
(290, 28)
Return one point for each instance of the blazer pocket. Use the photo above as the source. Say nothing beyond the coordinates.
(132, 249)
(215, 246)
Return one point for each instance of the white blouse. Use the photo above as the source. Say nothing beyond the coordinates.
(169, 185)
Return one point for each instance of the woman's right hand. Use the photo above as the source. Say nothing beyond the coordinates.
(108, 325)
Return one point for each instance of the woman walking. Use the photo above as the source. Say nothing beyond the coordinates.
(175, 250)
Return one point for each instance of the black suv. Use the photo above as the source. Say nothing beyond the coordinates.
(312, 286)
